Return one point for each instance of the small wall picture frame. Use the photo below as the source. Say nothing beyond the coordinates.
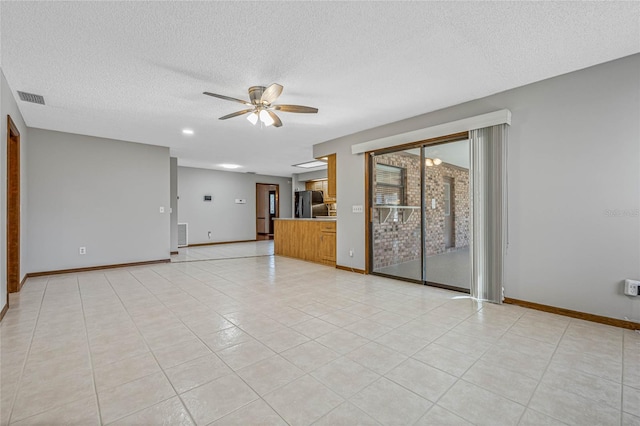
(208, 198)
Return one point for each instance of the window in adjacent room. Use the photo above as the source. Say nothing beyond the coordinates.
(390, 185)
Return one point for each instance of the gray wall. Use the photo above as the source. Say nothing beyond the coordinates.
(98, 193)
(8, 106)
(574, 156)
(226, 220)
(173, 194)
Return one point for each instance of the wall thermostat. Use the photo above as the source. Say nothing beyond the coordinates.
(207, 197)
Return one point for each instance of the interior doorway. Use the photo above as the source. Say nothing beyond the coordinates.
(421, 210)
(267, 208)
(13, 208)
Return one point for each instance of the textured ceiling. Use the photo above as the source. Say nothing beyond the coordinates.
(136, 70)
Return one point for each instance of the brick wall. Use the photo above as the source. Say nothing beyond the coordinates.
(396, 242)
(435, 219)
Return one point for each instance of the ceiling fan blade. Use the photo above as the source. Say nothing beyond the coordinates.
(227, 98)
(295, 108)
(271, 93)
(276, 119)
(235, 114)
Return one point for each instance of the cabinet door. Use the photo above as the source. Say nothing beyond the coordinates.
(328, 243)
(328, 247)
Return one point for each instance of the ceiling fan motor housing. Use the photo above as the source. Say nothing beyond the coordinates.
(255, 93)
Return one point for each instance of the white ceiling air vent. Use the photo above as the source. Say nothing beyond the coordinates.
(30, 97)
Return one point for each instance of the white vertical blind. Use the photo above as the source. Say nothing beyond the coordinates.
(488, 148)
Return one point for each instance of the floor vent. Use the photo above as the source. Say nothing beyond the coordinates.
(30, 97)
(183, 235)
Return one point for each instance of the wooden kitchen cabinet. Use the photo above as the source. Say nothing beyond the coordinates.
(306, 239)
(317, 185)
(328, 244)
(331, 178)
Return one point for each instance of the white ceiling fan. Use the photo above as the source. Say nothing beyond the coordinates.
(261, 100)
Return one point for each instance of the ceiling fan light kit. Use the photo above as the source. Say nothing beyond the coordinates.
(430, 162)
(261, 100)
(253, 117)
(266, 118)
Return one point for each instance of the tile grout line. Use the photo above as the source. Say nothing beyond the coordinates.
(222, 258)
(458, 379)
(24, 364)
(150, 351)
(222, 360)
(369, 341)
(197, 337)
(264, 309)
(538, 382)
(434, 403)
(86, 331)
(306, 373)
(557, 345)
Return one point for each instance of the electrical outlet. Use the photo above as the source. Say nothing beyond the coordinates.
(631, 287)
(82, 250)
(350, 252)
(209, 234)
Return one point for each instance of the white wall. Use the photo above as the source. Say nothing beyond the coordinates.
(101, 194)
(8, 106)
(574, 154)
(226, 220)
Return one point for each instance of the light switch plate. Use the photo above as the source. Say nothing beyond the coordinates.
(357, 209)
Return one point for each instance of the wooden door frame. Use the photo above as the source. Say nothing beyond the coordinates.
(277, 201)
(13, 208)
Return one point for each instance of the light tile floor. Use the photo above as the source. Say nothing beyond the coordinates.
(268, 340)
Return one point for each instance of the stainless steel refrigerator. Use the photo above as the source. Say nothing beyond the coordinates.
(310, 204)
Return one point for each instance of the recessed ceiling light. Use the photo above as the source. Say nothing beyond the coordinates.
(310, 164)
(230, 166)
(187, 131)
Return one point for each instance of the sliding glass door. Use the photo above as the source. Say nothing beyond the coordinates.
(447, 213)
(421, 210)
(396, 221)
